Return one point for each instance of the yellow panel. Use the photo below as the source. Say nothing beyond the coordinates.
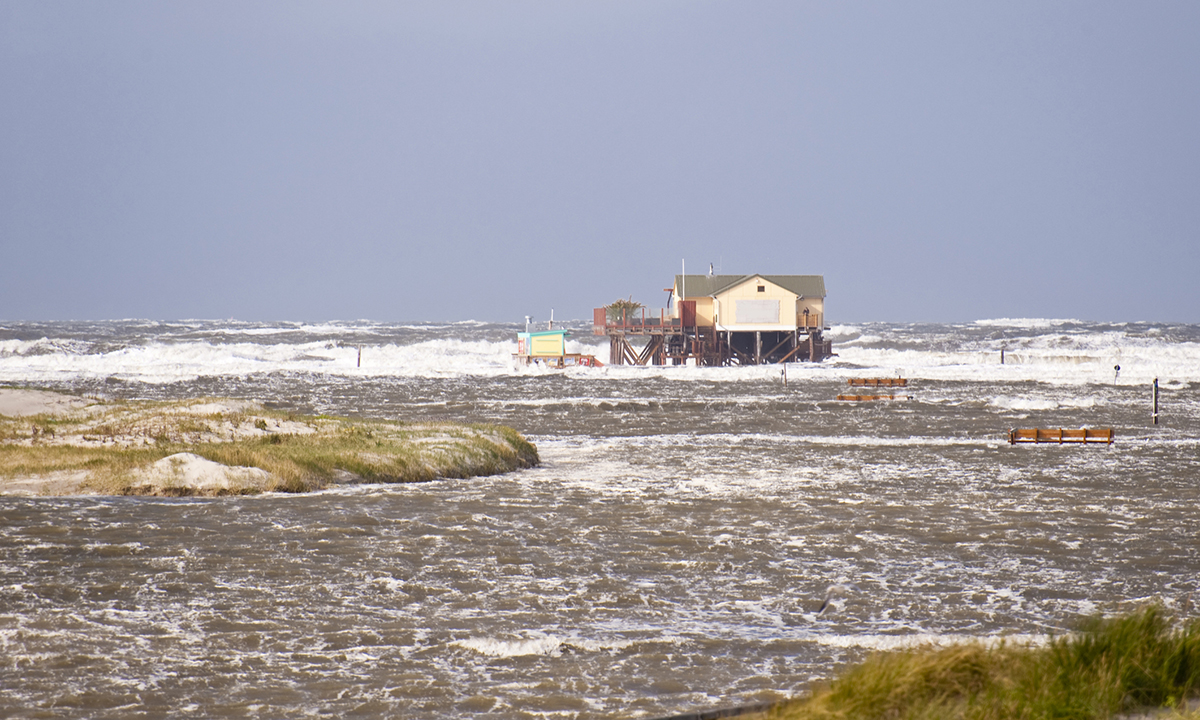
(547, 345)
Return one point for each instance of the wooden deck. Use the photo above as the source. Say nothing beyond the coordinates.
(877, 382)
(559, 361)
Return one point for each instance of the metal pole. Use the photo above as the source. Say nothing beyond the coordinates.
(1001, 356)
(360, 356)
(1155, 394)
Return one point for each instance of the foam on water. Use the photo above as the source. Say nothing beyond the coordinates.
(1054, 351)
(680, 535)
(1025, 323)
(538, 644)
(916, 640)
(1027, 403)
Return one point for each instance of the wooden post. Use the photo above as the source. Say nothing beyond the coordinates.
(360, 356)
(758, 347)
(1155, 394)
(1001, 356)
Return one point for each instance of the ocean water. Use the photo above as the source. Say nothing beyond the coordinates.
(669, 555)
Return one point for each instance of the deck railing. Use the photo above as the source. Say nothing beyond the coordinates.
(602, 324)
(641, 321)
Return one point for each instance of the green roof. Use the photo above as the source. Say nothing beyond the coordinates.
(801, 285)
(540, 333)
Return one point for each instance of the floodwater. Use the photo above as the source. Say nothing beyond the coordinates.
(669, 555)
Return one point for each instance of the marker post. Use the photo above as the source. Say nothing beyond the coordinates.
(1154, 396)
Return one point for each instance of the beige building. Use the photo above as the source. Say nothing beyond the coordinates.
(753, 303)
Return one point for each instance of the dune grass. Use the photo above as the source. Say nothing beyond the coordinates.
(1114, 666)
(111, 443)
(378, 452)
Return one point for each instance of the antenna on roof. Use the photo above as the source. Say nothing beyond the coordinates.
(528, 319)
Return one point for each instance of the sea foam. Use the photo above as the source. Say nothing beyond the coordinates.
(1051, 351)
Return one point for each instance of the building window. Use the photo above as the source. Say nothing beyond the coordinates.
(762, 288)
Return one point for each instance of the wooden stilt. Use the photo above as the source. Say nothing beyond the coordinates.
(783, 342)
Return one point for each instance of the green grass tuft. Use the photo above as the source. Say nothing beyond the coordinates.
(1111, 666)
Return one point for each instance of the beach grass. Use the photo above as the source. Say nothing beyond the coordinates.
(1143, 664)
(109, 444)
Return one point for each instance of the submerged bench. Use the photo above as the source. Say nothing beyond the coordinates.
(1061, 436)
(866, 398)
(877, 382)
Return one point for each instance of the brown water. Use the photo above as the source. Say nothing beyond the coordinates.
(669, 555)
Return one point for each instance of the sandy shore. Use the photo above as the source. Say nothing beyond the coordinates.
(25, 403)
(182, 470)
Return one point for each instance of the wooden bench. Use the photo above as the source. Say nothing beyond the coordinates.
(877, 382)
(864, 398)
(1061, 435)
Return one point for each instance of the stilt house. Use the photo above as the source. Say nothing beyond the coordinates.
(727, 320)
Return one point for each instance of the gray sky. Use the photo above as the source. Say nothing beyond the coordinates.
(936, 161)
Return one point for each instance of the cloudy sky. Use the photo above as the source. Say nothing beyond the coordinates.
(446, 160)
